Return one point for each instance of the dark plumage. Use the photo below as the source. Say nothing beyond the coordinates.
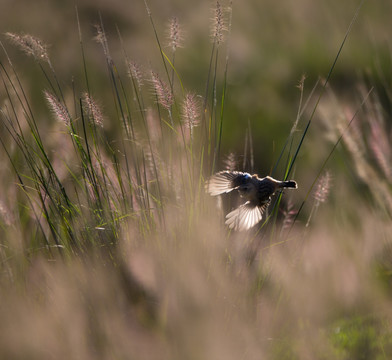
(256, 191)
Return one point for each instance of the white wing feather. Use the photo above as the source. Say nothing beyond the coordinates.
(222, 182)
(245, 216)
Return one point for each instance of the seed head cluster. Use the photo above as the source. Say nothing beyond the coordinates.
(175, 36)
(230, 161)
(59, 110)
(30, 45)
(101, 39)
(93, 110)
(191, 110)
(218, 27)
(162, 91)
(135, 72)
(289, 215)
(323, 187)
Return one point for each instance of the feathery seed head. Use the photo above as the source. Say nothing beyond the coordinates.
(93, 110)
(301, 83)
(135, 72)
(59, 110)
(162, 91)
(175, 35)
(218, 24)
(101, 39)
(230, 162)
(289, 215)
(323, 187)
(379, 143)
(30, 45)
(190, 110)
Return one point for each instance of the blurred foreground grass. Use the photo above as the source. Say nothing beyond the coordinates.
(109, 246)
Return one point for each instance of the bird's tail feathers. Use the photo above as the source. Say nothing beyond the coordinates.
(289, 184)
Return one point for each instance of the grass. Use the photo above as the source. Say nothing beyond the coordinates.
(111, 248)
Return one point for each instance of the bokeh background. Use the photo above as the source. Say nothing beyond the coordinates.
(190, 289)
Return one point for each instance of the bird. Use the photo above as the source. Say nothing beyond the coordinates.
(256, 191)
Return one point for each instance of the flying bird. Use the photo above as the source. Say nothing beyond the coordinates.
(256, 191)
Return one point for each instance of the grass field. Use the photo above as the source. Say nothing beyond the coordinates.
(109, 245)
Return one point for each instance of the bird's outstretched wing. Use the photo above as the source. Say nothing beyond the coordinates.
(226, 181)
(245, 216)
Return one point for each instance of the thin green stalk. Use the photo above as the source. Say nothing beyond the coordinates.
(205, 103)
(330, 155)
(220, 128)
(325, 85)
(82, 51)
